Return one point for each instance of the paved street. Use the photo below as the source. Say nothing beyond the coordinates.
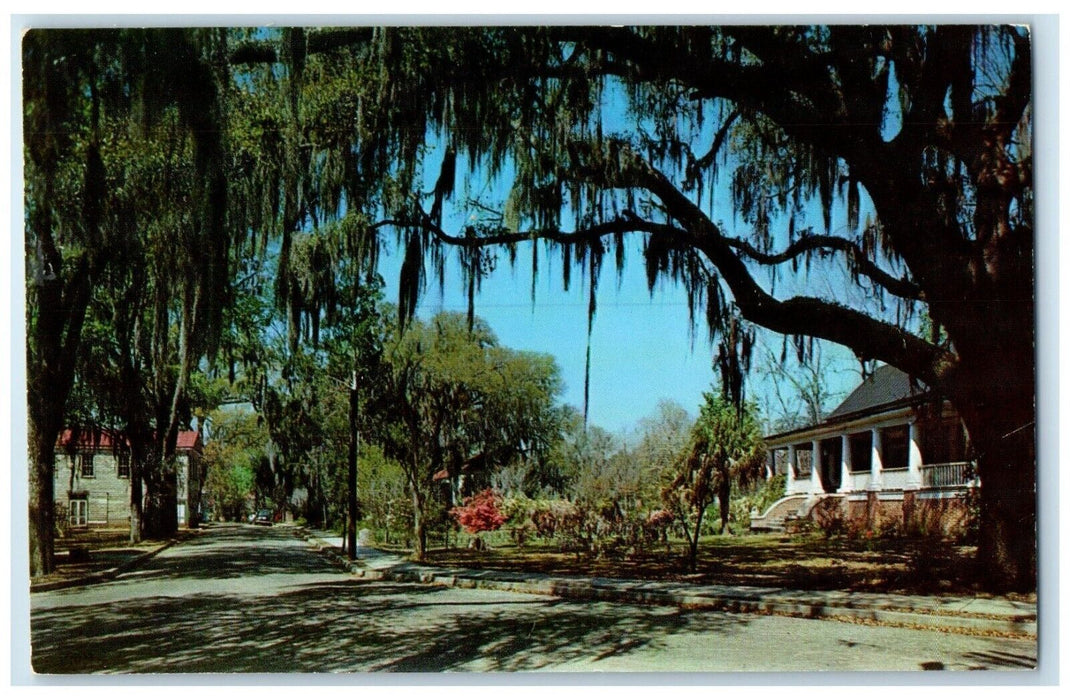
(244, 599)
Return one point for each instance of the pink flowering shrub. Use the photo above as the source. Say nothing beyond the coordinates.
(480, 513)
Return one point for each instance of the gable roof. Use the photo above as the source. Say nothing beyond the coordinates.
(885, 387)
(188, 440)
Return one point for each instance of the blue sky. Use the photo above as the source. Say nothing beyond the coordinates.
(641, 347)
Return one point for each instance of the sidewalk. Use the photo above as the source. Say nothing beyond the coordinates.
(101, 564)
(958, 614)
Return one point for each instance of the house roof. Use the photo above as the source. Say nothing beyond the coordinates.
(96, 438)
(887, 385)
(188, 440)
(108, 440)
(888, 388)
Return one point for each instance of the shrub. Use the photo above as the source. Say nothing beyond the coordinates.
(829, 517)
(480, 513)
(656, 527)
(771, 491)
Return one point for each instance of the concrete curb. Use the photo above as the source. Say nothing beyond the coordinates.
(815, 605)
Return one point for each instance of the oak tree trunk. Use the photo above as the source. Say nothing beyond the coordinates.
(42, 454)
(995, 396)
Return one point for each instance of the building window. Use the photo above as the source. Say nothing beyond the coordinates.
(78, 514)
(123, 468)
(861, 452)
(87, 466)
(943, 442)
(895, 447)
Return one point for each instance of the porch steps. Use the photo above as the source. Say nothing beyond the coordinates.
(789, 507)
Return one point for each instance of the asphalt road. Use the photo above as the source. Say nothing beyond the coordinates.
(241, 599)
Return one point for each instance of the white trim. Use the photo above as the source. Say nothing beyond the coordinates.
(914, 456)
(876, 460)
(815, 468)
(858, 425)
(846, 482)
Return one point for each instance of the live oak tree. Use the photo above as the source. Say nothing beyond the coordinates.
(928, 128)
(728, 155)
(91, 99)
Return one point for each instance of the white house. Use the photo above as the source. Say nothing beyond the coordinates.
(892, 451)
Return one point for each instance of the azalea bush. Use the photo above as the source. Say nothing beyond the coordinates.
(480, 513)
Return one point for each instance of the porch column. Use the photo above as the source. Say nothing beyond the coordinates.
(845, 464)
(815, 467)
(790, 485)
(914, 457)
(875, 465)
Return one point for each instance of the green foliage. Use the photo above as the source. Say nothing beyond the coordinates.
(451, 401)
(231, 457)
(757, 499)
(158, 162)
(725, 449)
(382, 488)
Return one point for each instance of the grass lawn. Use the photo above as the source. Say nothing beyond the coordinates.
(919, 566)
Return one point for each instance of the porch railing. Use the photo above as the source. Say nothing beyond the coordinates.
(946, 474)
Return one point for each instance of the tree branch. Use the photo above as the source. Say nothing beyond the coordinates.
(870, 338)
(319, 41)
(863, 265)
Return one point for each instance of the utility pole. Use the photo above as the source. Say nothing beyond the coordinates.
(351, 530)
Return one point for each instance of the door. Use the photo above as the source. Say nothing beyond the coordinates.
(831, 457)
(79, 512)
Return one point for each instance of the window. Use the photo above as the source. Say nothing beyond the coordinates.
(123, 468)
(78, 514)
(861, 452)
(943, 442)
(895, 447)
(87, 466)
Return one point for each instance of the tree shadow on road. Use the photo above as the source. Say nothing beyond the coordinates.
(247, 552)
(347, 627)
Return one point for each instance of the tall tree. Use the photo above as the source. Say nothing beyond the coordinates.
(451, 401)
(594, 133)
(802, 387)
(91, 97)
(929, 126)
(231, 458)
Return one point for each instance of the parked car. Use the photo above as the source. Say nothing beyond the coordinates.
(263, 517)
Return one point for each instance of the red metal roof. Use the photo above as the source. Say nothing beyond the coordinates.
(101, 439)
(107, 439)
(188, 440)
